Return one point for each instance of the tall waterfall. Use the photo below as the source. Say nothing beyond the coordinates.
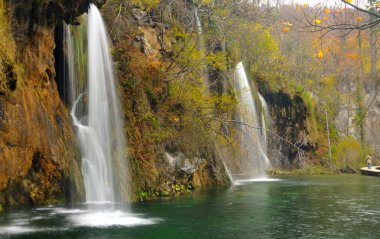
(100, 132)
(253, 158)
(98, 125)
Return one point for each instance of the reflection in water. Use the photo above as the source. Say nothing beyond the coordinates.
(252, 180)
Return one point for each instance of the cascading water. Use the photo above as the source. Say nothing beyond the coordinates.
(199, 25)
(71, 79)
(100, 133)
(202, 49)
(96, 117)
(266, 120)
(253, 158)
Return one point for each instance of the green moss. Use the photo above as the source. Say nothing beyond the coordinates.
(152, 120)
(312, 123)
(165, 194)
(127, 84)
(1, 209)
(53, 201)
(152, 98)
(143, 195)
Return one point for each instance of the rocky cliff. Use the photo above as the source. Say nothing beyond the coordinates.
(38, 155)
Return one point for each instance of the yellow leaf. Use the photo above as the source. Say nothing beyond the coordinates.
(320, 54)
(175, 119)
(305, 5)
(348, 0)
(327, 10)
(377, 4)
(325, 18)
(287, 23)
(317, 21)
(353, 56)
(285, 29)
(359, 19)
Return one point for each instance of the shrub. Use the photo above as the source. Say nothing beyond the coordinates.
(350, 152)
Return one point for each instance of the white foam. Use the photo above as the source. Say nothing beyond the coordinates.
(50, 207)
(67, 211)
(253, 180)
(17, 230)
(111, 218)
(99, 202)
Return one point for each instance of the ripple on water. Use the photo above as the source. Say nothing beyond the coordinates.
(254, 180)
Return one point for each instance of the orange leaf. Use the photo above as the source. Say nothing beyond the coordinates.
(327, 10)
(285, 29)
(359, 19)
(325, 18)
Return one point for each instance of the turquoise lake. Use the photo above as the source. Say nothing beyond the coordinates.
(339, 206)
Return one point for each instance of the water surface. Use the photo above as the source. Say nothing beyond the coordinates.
(346, 206)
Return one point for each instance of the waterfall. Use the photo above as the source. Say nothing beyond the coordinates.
(100, 132)
(253, 158)
(266, 120)
(71, 64)
(98, 124)
(202, 49)
(199, 25)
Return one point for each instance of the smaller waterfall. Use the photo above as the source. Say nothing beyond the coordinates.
(252, 159)
(202, 49)
(198, 23)
(71, 64)
(266, 120)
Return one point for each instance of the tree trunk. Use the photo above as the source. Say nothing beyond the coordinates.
(328, 138)
(373, 35)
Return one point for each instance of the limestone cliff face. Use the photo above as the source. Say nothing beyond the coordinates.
(291, 120)
(371, 123)
(38, 155)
